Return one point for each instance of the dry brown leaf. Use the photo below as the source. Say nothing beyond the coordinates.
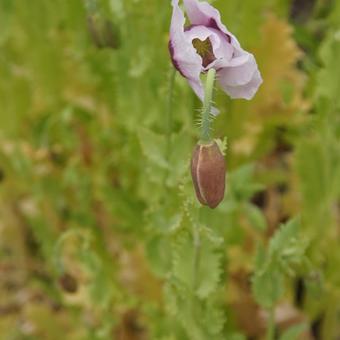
(278, 55)
(280, 96)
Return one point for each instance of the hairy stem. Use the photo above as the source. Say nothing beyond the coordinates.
(206, 111)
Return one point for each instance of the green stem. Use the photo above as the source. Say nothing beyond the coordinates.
(197, 253)
(169, 114)
(271, 325)
(169, 124)
(91, 6)
(206, 112)
(197, 331)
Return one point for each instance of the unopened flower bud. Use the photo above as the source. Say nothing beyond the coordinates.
(68, 283)
(208, 174)
(104, 33)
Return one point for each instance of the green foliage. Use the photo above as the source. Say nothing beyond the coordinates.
(285, 253)
(195, 279)
(293, 332)
(197, 262)
(101, 235)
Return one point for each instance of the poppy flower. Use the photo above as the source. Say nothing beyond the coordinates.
(206, 43)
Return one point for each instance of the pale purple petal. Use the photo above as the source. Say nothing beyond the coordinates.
(246, 91)
(239, 74)
(198, 32)
(183, 53)
(202, 13)
(239, 77)
(222, 49)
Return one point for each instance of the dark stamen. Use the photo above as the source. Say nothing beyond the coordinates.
(205, 50)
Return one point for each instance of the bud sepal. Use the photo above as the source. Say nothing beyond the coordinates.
(208, 174)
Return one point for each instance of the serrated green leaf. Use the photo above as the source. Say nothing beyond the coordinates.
(255, 217)
(260, 258)
(237, 336)
(267, 287)
(157, 251)
(204, 276)
(179, 158)
(214, 317)
(170, 298)
(241, 185)
(153, 146)
(328, 84)
(294, 332)
(311, 155)
(209, 271)
(283, 237)
(283, 253)
(222, 144)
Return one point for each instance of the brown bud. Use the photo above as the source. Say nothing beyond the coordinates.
(104, 33)
(112, 35)
(93, 30)
(208, 174)
(68, 283)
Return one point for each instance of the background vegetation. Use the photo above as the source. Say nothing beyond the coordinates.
(101, 236)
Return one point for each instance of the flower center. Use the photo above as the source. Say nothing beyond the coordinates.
(205, 50)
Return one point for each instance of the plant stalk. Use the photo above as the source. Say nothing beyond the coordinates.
(169, 113)
(205, 137)
(197, 252)
(271, 324)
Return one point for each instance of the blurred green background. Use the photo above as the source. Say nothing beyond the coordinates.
(97, 209)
